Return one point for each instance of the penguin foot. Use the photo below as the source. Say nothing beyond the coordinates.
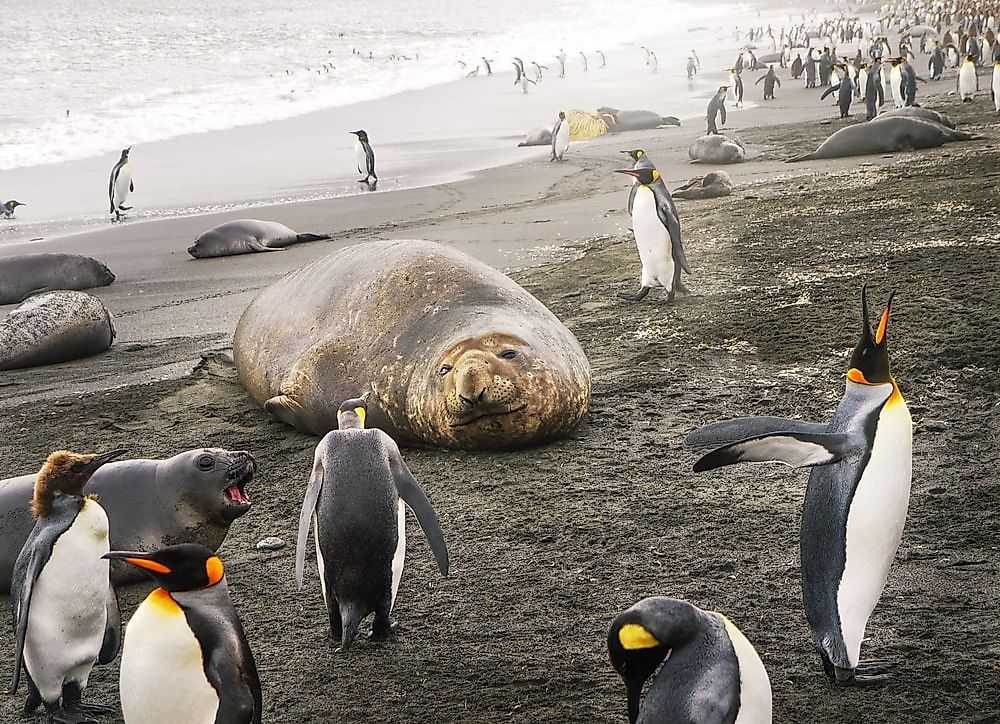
(866, 673)
(125, 208)
(638, 296)
(71, 716)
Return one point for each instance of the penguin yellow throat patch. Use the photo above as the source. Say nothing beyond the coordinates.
(161, 600)
(856, 375)
(633, 636)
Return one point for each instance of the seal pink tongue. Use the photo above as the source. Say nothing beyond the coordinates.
(237, 495)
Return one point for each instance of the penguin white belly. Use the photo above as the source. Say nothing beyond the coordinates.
(755, 685)
(652, 241)
(895, 78)
(162, 674)
(875, 523)
(320, 564)
(863, 83)
(361, 157)
(967, 81)
(400, 554)
(995, 86)
(69, 605)
(122, 184)
(562, 139)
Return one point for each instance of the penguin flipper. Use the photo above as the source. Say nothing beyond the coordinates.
(830, 91)
(727, 432)
(112, 629)
(795, 449)
(305, 518)
(413, 495)
(674, 228)
(631, 196)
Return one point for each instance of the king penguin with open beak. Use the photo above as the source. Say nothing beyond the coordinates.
(855, 504)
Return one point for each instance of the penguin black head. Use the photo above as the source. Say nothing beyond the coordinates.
(352, 413)
(562, 116)
(65, 472)
(362, 136)
(646, 176)
(723, 88)
(870, 361)
(641, 637)
(125, 153)
(184, 567)
(13, 204)
(634, 154)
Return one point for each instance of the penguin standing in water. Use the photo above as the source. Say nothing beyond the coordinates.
(770, 79)
(657, 235)
(845, 93)
(641, 161)
(354, 502)
(120, 185)
(968, 81)
(560, 137)
(186, 657)
(717, 107)
(366, 160)
(855, 504)
(710, 672)
(65, 611)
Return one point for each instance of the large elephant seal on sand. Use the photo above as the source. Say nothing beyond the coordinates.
(927, 114)
(716, 149)
(192, 497)
(54, 327)
(885, 134)
(635, 120)
(537, 137)
(454, 353)
(245, 236)
(28, 274)
(710, 186)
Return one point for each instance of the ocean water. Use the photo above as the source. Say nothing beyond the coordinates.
(88, 77)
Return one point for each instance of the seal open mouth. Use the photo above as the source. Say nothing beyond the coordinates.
(241, 471)
(486, 415)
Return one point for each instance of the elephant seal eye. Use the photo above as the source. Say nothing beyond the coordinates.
(445, 369)
(206, 462)
(507, 354)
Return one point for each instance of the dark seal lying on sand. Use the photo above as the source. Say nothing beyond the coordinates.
(885, 134)
(54, 327)
(245, 236)
(710, 186)
(715, 148)
(621, 121)
(454, 353)
(28, 274)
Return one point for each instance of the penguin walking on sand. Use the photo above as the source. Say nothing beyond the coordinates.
(600, 54)
(770, 79)
(365, 157)
(657, 233)
(710, 671)
(873, 90)
(968, 81)
(845, 93)
(641, 161)
(717, 107)
(586, 65)
(538, 70)
(856, 501)
(65, 610)
(186, 656)
(355, 505)
(9, 206)
(995, 86)
(936, 62)
(562, 63)
(120, 185)
(486, 64)
(896, 82)
(654, 62)
(560, 137)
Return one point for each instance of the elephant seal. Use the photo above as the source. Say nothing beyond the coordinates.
(54, 327)
(716, 148)
(454, 353)
(28, 274)
(245, 236)
(885, 135)
(621, 121)
(192, 497)
(537, 137)
(918, 112)
(710, 186)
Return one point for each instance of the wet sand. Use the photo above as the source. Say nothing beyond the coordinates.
(548, 544)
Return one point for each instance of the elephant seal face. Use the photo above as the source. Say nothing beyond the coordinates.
(215, 482)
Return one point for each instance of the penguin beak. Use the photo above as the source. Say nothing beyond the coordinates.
(139, 559)
(104, 458)
(628, 172)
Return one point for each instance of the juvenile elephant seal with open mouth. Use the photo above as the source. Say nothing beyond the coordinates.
(454, 353)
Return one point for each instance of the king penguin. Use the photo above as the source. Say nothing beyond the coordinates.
(995, 86)
(186, 656)
(9, 206)
(641, 161)
(896, 81)
(855, 504)
(354, 502)
(657, 235)
(366, 159)
(845, 93)
(710, 671)
(65, 610)
(120, 184)
(968, 81)
(560, 137)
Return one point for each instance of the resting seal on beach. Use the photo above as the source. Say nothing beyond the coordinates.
(710, 186)
(245, 236)
(635, 120)
(28, 274)
(454, 353)
(716, 148)
(918, 112)
(537, 137)
(54, 327)
(885, 134)
(192, 497)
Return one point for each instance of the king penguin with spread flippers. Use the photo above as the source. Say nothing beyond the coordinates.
(641, 161)
(120, 184)
(845, 92)
(354, 502)
(366, 159)
(560, 137)
(711, 673)
(657, 235)
(855, 504)
(186, 656)
(65, 610)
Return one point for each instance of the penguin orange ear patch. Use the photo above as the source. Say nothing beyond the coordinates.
(633, 636)
(214, 569)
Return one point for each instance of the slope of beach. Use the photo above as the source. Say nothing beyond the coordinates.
(548, 544)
